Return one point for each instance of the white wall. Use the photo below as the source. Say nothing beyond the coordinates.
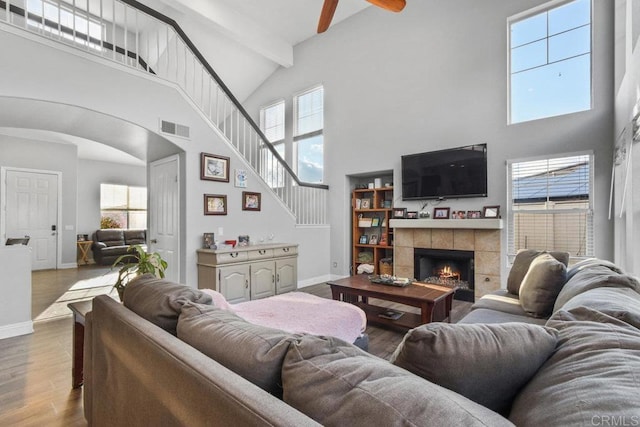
(431, 77)
(627, 105)
(95, 84)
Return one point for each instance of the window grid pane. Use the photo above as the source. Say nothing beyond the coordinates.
(309, 111)
(272, 121)
(125, 206)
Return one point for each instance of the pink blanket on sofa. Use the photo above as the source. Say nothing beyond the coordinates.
(299, 312)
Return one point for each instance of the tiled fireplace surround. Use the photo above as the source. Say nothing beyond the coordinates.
(485, 243)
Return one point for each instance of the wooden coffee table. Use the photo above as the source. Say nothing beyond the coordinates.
(434, 301)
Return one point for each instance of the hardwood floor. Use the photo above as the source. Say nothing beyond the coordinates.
(35, 369)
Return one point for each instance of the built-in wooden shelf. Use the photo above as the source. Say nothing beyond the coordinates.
(477, 224)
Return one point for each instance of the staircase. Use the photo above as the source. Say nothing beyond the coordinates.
(138, 37)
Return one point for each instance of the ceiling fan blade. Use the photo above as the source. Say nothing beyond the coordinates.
(328, 9)
(391, 5)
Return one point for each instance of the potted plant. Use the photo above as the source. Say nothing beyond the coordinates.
(136, 263)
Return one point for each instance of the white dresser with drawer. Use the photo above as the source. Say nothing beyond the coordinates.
(249, 272)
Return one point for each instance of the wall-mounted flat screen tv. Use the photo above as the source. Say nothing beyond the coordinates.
(445, 174)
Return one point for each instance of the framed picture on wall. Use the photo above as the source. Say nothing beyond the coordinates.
(215, 204)
(250, 201)
(214, 168)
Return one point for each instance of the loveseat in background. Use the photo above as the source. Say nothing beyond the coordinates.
(138, 373)
(109, 244)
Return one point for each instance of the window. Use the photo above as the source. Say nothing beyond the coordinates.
(272, 121)
(308, 135)
(272, 125)
(551, 205)
(122, 206)
(550, 61)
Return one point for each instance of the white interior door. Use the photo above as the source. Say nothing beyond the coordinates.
(32, 210)
(164, 213)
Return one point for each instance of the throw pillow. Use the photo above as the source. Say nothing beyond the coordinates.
(489, 364)
(252, 351)
(521, 265)
(337, 384)
(541, 285)
(159, 300)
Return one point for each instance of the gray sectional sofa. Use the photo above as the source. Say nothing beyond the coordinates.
(168, 356)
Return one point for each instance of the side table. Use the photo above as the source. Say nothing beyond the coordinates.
(79, 310)
(83, 246)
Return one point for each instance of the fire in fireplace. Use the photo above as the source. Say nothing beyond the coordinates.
(448, 268)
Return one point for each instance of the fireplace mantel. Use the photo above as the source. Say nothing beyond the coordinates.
(475, 224)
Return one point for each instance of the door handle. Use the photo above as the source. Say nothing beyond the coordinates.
(154, 241)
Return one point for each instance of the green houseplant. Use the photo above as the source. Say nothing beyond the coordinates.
(136, 263)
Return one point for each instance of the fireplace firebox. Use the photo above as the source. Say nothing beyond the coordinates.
(450, 268)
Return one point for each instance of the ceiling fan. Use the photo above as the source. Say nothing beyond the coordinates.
(329, 8)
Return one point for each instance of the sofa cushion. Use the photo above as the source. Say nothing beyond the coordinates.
(500, 300)
(591, 277)
(521, 263)
(592, 262)
(620, 303)
(336, 384)
(489, 364)
(135, 237)
(159, 300)
(110, 237)
(541, 285)
(252, 351)
(483, 315)
(591, 379)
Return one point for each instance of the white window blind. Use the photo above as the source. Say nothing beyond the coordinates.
(272, 121)
(550, 205)
(123, 206)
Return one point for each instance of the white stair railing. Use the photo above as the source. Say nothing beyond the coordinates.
(132, 34)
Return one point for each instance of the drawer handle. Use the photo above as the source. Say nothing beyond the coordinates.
(285, 249)
(233, 254)
(262, 251)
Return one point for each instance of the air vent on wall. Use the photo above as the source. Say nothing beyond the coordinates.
(174, 129)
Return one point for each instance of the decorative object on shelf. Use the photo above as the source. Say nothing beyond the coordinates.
(251, 201)
(386, 266)
(491, 212)
(424, 214)
(241, 178)
(459, 215)
(386, 204)
(365, 256)
(400, 212)
(215, 204)
(412, 214)
(365, 204)
(364, 239)
(243, 240)
(377, 182)
(139, 262)
(82, 237)
(474, 214)
(383, 240)
(358, 204)
(441, 213)
(364, 222)
(375, 222)
(373, 240)
(370, 185)
(208, 241)
(214, 168)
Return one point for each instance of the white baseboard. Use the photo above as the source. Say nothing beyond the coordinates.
(68, 265)
(16, 329)
(319, 279)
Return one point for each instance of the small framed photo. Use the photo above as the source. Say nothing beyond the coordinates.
(214, 168)
(375, 222)
(243, 240)
(208, 241)
(400, 213)
(412, 214)
(365, 204)
(374, 239)
(441, 213)
(364, 239)
(215, 204)
(491, 212)
(474, 214)
(241, 178)
(458, 215)
(251, 201)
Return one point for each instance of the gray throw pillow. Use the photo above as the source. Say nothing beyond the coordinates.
(541, 285)
(521, 264)
(489, 364)
(159, 300)
(252, 351)
(338, 384)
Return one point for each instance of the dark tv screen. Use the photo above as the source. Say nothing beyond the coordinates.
(450, 173)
